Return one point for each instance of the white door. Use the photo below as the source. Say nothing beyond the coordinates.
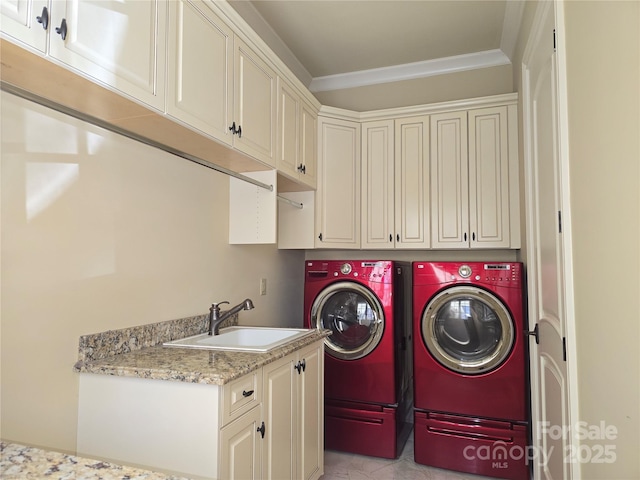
(546, 251)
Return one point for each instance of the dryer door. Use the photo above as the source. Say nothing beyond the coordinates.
(468, 330)
(355, 316)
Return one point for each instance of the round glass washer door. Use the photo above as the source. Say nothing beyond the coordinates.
(468, 330)
(355, 317)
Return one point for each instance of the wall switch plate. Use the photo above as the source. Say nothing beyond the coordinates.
(263, 286)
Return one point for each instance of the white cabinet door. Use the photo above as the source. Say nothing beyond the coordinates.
(288, 159)
(27, 22)
(297, 134)
(280, 419)
(293, 414)
(338, 194)
(489, 201)
(310, 408)
(474, 168)
(200, 79)
(255, 114)
(308, 144)
(378, 224)
(449, 181)
(241, 448)
(412, 225)
(118, 43)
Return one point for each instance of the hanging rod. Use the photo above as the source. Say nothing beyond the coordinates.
(290, 202)
(7, 87)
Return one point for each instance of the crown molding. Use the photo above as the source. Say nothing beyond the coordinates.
(410, 71)
(415, 110)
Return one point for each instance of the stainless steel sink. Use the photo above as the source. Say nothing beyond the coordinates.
(242, 339)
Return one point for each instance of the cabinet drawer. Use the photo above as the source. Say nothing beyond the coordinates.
(241, 395)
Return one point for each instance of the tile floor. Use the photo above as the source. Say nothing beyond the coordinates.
(345, 466)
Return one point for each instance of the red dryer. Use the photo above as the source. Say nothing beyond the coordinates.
(367, 307)
(470, 369)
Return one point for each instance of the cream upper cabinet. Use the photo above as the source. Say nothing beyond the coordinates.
(225, 90)
(296, 135)
(120, 44)
(474, 183)
(338, 193)
(255, 115)
(395, 183)
(27, 22)
(412, 182)
(199, 84)
(378, 215)
(309, 144)
(449, 180)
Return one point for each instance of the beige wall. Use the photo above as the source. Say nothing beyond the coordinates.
(603, 85)
(99, 233)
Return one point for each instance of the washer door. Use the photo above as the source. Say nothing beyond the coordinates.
(467, 330)
(355, 316)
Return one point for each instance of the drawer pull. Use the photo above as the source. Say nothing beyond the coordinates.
(247, 394)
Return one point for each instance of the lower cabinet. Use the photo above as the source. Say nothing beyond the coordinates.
(241, 447)
(293, 404)
(267, 424)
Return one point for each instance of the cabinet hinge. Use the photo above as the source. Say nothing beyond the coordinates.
(564, 348)
(554, 39)
(559, 221)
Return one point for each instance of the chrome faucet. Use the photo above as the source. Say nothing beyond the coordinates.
(215, 318)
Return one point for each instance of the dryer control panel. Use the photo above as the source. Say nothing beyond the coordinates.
(506, 274)
(380, 271)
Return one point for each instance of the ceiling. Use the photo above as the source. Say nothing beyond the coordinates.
(332, 45)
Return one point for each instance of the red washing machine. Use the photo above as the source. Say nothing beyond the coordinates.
(470, 368)
(368, 395)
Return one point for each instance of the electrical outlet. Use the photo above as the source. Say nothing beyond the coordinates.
(263, 286)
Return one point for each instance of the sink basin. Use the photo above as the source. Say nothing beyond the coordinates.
(242, 339)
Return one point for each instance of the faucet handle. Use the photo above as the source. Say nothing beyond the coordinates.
(216, 306)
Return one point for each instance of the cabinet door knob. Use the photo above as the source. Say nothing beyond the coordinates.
(232, 128)
(465, 236)
(247, 394)
(43, 19)
(303, 169)
(390, 238)
(261, 429)
(320, 237)
(239, 132)
(62, 29)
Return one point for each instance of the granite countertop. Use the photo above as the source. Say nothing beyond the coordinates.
(22, 462)
(138, 352)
